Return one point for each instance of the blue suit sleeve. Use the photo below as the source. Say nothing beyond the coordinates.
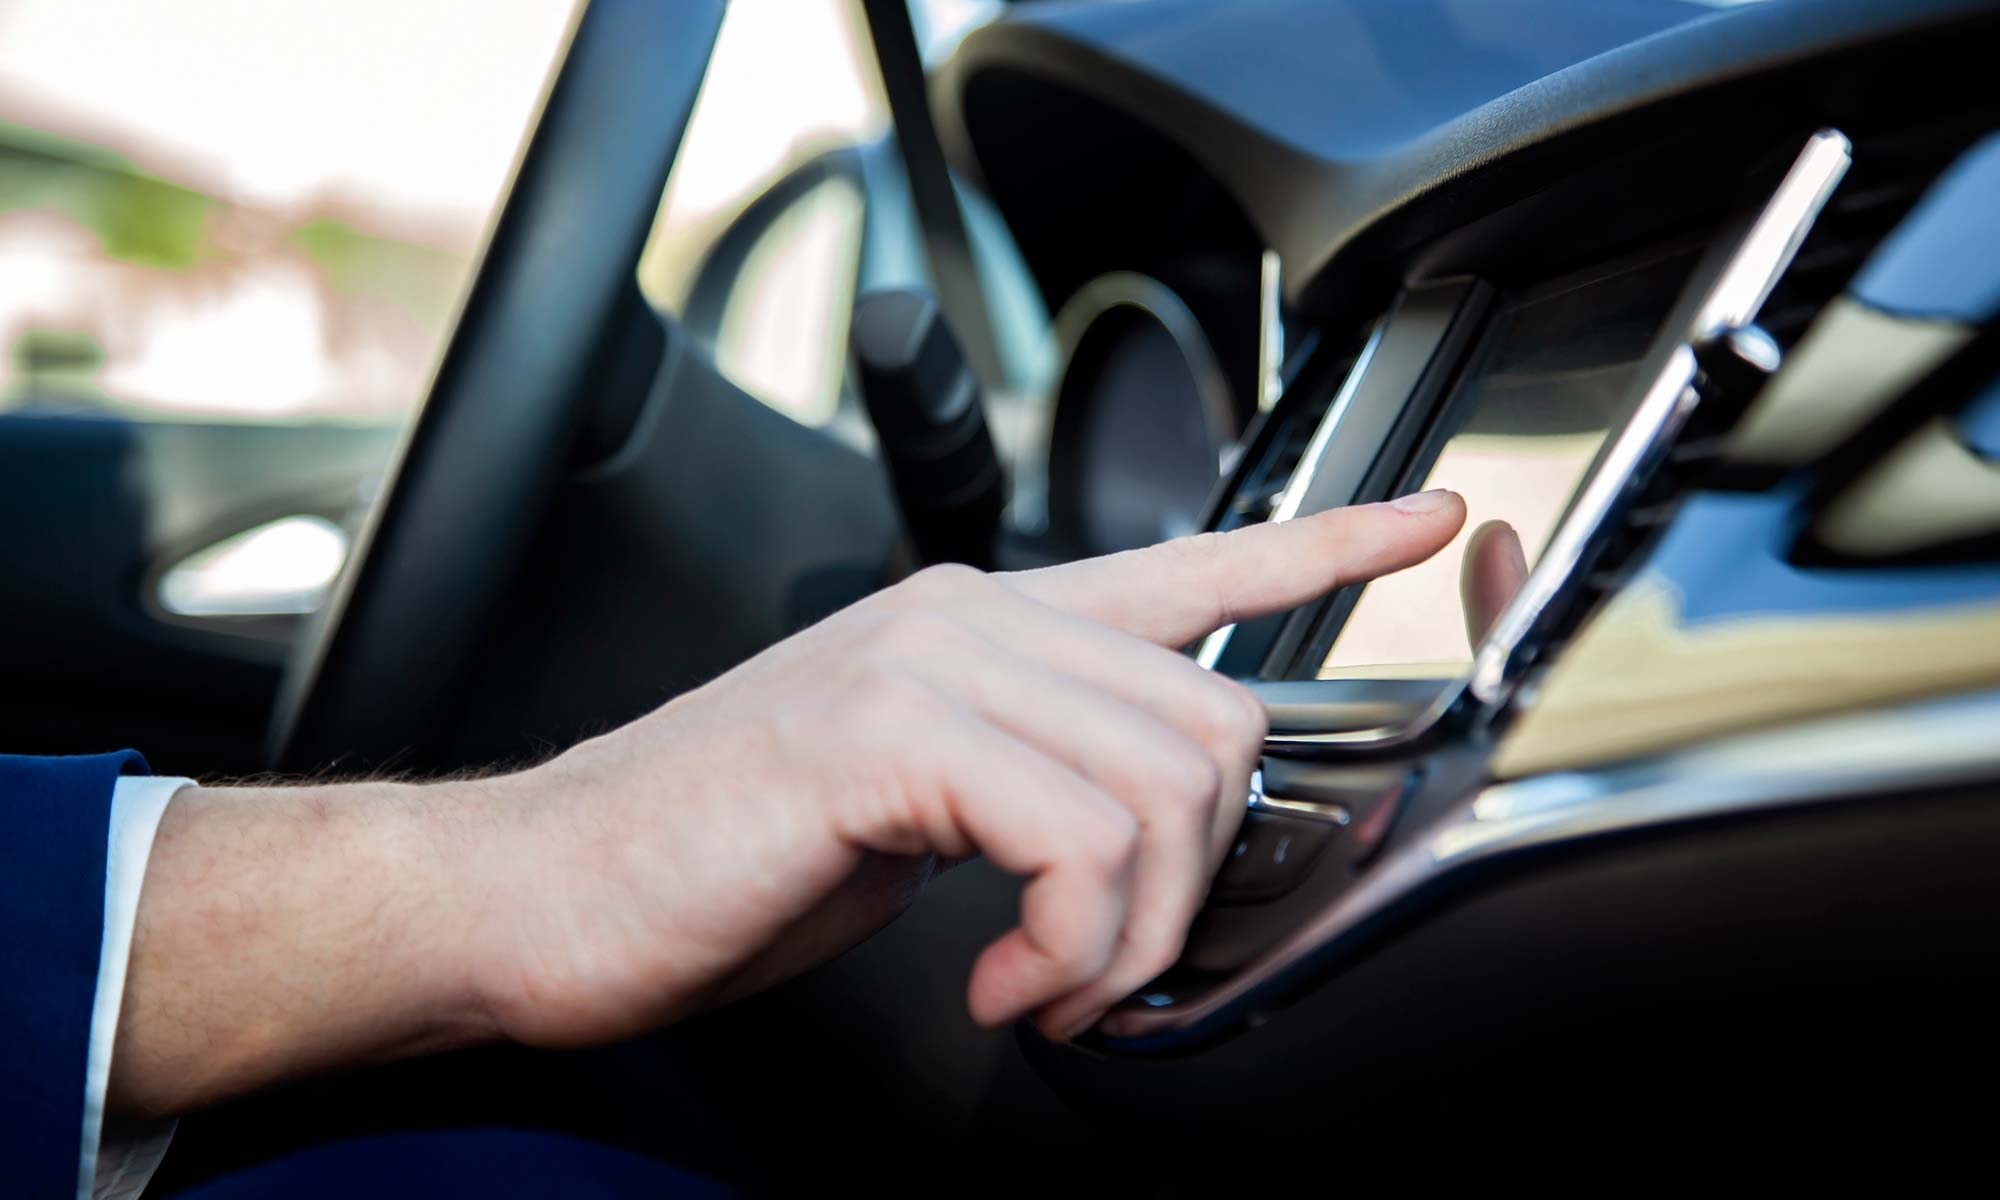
(56, 814)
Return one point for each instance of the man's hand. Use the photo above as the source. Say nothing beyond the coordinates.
(754, 826)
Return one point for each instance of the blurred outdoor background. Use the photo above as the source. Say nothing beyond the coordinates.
(231, 211)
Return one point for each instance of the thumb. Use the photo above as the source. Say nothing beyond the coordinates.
(1494, 569)
(1178, 591)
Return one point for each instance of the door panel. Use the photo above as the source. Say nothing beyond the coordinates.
(92, 510)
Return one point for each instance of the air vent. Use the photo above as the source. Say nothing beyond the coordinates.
(1275, 451)
(1674, 450)
(1892, 170)
(1258, 485)
(1263, 485)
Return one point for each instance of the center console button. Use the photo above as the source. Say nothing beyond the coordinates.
(1272, 853)
(1367, 797)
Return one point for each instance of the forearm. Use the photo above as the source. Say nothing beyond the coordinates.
(287, 930)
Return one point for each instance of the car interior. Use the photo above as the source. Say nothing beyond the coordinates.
(1700, 297)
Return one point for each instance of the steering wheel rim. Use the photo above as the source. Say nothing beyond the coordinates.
(462, 498)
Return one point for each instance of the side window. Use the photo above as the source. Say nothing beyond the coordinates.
(788, 176)
(232, 241)
(219, 212)
(789, 199)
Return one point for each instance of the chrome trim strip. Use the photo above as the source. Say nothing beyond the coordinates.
(1294, 494)
(1732, 303)
(1381, 739)
(1772, 243)
(1916, 747)
(1212, 646)
(1668, 401)
(1270, 331)
(1309, 462)
(1333, 814)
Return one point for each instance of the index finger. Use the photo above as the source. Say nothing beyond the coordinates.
(1177, 591)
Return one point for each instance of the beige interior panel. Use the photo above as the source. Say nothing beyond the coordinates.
(1930, 490)
(1636, 679)
(1853, 363)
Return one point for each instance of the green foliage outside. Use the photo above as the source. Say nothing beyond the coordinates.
(424, 280)
(139, 218)
(150, 222)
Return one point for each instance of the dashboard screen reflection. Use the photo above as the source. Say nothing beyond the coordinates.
(1555, 376)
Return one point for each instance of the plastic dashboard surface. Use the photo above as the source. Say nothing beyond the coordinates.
(1273, 926)
(1296, 144)
(1328, 121)
(1671, 871)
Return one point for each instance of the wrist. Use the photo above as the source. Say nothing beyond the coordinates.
(560, 947)
(467, 842)
(498, 851)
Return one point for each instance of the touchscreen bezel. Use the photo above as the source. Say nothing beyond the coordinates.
(1729, 288)
(1432, 425)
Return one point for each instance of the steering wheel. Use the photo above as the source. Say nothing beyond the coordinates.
(517, 388)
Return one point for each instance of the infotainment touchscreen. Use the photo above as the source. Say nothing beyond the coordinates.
(1554, 376)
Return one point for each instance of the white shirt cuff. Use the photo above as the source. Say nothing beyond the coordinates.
(116, 1164)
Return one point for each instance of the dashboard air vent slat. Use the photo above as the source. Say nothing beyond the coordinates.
(1892, 170)
(1257, 495)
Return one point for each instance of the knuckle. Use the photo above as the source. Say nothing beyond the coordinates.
(1246, 721)
(918, 630)
(1215, 719)
(1196, 778)
(1084, 960)
(1148, 951)
(1110, 842)
(1162, 949)
(1171, 779)
(942, 582)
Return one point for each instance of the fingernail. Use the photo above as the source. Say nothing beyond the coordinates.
(1422, 502)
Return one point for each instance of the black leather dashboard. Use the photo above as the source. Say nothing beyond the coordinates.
(1347, 129)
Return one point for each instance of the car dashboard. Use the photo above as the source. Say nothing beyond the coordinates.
(1702, 303)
